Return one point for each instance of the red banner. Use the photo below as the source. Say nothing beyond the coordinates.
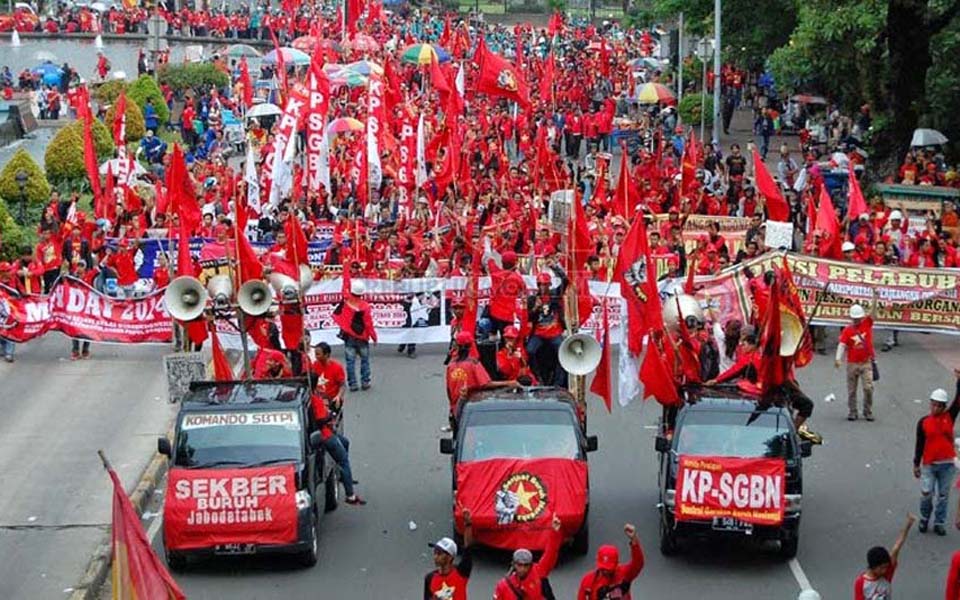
(77, 310)
(209, 507)
(512, 500)
(747, 489)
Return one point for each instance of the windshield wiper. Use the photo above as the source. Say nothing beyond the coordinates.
(216, 463)
(273, 461)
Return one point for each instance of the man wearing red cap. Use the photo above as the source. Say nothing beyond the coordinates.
(611, 579)
(466, 375)
(506, 287)
(511, 360)
(545, 311)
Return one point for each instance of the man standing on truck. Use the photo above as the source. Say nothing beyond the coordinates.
(329, 376)
(526, 580)
(466, 375)
(934, 455)
(611, 579)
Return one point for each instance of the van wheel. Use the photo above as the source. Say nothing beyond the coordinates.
(581, 540)
(309, 557)
(331, 491)
(176, 561)
(669, 544)
(789, 546)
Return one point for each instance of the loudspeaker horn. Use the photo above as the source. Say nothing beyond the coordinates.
(255, 298)
(579, 354)
(220, 289)
(791, 333)
(185, 298)
(689, 307)
(285, 286)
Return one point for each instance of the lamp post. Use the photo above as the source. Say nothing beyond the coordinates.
(22, 178)
(716, 70)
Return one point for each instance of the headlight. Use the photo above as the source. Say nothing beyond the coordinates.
(793, 503)
(303, 499)
(669, 498)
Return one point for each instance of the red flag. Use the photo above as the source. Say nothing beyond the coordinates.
(790, 302)
(391, 86)
(246, 82)
(828, 222)
(106, 203)
(221, 366)
(89, 149)
(354, 9)
(470, 309)
(499, 78)
(777, 209)
(119, 120)
(180, 192)
(625, 196)
(445, 36)
(296, 241)
(637, 274)
(137, 572)
(281, 65)
(772, 367)
(519, 48)
(601, 381)
(692, 156)
(604, 58)
(438, 79)
(555, 24)
(856, 205)
(184, 262)
(656, 373)
(580, 249)
(546, 80)
(249, 266)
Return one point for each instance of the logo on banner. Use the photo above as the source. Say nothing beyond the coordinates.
(521, 498)
(506, 80)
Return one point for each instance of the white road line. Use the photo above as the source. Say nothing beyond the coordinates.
(799, 575)
(154, 528)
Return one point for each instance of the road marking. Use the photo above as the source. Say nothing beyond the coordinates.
(799, 575)
(154, 528)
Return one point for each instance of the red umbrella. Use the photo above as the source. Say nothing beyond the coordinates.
(307, 43)
(363, 43)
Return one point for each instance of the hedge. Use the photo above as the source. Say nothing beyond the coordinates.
(689, 110)
(107, 93)
(198, 77)
(135, 127)
(64, 158)
(146, 88)
(13, 238)
(37, 188)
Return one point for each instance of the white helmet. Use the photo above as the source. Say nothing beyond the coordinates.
(896, 215)
(939, 395)
(857, 312)
(848, 247)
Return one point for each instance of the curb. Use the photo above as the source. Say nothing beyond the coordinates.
(98, 569)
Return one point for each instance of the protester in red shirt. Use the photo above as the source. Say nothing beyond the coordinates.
(526, 579)
(876, 583)
(611, 579)
(270, 364)
(545, 313)
(953, 575)
(934, 455)
(449, 580)
(329, 375)
(353, 316)
(856, 339)
(465, 375)
(506, 287)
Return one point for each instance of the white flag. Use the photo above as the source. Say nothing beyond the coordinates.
(252, 179)
(460, 81)
(325, 159)
(421, 155)
(628, 367)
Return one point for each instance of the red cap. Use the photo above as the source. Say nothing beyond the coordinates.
(464, 338)
(608, 557)
(543, 278)
(509, 259)
(221, 228)
(511, 332)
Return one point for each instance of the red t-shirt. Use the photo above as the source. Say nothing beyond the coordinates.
(330, 377)
(953, 578)
(453, 585)
(859, 341)
(868, 588)
(464, 376)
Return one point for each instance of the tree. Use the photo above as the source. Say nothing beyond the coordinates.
(194, 77)
(13, 238)
(145, 88)
(134, 127)
(37, 189)
(64, 161)
(107, 92)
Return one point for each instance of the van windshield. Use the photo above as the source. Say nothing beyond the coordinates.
(519, 434)
(242, 438)
(738, 434)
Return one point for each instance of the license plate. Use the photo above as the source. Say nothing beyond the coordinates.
(731, 524)
(235, 549)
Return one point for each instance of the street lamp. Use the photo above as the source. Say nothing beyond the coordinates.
(22, 178)
(717, 11)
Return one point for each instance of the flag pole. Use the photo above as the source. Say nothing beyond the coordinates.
(241, 325)
(103, 458)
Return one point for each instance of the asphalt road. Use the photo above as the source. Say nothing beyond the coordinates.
(858, 488)
(55, 497)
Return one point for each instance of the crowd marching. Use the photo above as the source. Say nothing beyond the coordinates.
(451, 134)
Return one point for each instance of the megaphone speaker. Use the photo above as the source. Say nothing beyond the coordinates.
(791, 333)
(579, 354)
(285, 286)
(255, 298)
(185, 298)
(220, 289)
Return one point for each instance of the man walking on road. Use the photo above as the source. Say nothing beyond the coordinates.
(449, 581)
(610, 579)
(934, 455)
(856, 340)
(526, 580)
(355, 320)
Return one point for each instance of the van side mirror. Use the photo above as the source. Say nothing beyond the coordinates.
(806, 448)
(163, 447)
(592, 443)
(446, 445)
(662, 444)
(316, 440)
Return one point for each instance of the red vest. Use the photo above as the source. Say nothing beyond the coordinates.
(939, 438)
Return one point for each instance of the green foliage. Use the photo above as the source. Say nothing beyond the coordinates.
(557, 5)
(37, 189)
(134, 128)
(13, 238)
(107, 93)
(943, 81)
(198, 77)
(146, 88)
(63, 160)
(689, 109)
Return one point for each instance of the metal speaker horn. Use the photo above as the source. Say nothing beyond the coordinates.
(220, 288)
(579, 354)
(185, 298)
(689, 307)
(285, 286)
(791, 333)
(255, 298)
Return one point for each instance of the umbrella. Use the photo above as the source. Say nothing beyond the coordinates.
(344, 125)
(365, 67)
(655, 93)
(646, 62)
(291, 56)
(363, 43)
(265, 109)
(49, 73)
(424, 54)
(808, 99)
(239, 50)
(927, 137)
(348, 78)
(43, 55)
(308, 43)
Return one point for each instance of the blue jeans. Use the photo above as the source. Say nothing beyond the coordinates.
(352, 348)
(543, 357)
(941, 475)
(338, 447)
(7, 347)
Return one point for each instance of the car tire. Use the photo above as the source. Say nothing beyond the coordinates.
(309, 557)
(669, 543)
(581, 540)
(789, 546)
(176, 561)
(331, 491)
